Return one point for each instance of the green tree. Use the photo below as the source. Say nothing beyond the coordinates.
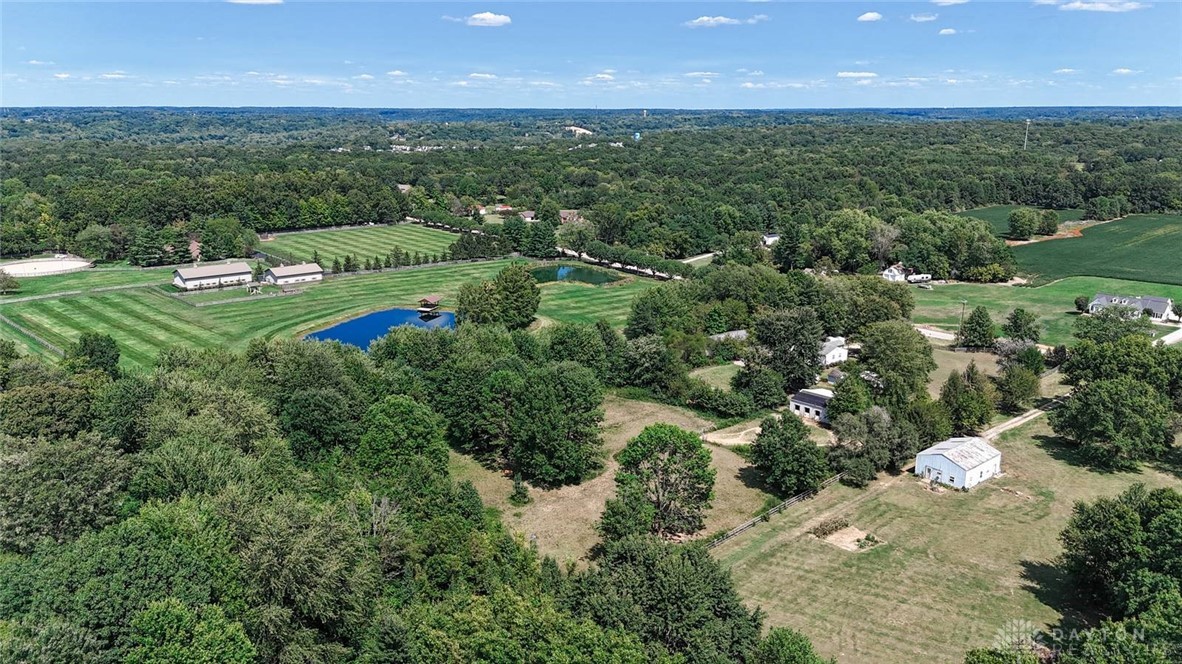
(517, 296)
(94, 242)
(765, 386)
(398, 428)
(1081, 304)
(900, 356)
(1022, 325)
(513, 231)
(1112, 324)
(1023, 223)
(169, 632)
(674, 470)
(1001, 656)
(852, 396)
(94, 351)
(54, 411)
(968, 399)
(548, 211)
(317, 420)
(476, 302)
(553, 427)
(8, 283)
(628, 513)
(791, 462)
(1048, 222)
(1017, 388)
(977, 330)
(1117, 423)
(785, 646)
(792, 341)
(540, 240)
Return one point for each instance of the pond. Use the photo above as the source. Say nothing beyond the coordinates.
(364, 330)
(584, 275)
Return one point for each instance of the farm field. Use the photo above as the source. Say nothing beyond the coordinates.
(998, 216)
(1053, 304)
(563, 520)
(1140, 247)
(954, 567)
(145, 320)
(364, 242)
(97, 277)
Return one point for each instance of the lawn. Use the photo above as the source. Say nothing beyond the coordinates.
(1141, 247)
(955, 567)
(562, 521)
(84, 280)
(998, 216)
(1053, 304)
(718, 375)
(948, 360)
(364, 242)
(145, 320)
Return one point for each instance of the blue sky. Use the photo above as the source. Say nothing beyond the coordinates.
(593, 54)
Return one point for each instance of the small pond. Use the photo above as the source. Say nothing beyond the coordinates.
(364, 330)
(584, 275)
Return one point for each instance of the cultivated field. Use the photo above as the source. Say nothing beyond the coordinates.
(998, 216)
(1141, 247)
(955, 568)
(1054, 303)
(145, 320)
(364, 242)
(563, 520)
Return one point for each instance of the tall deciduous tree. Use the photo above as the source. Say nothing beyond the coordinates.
(94, 351)
(1023, 223)
(900, 356)
(517, 296)
(169, 631)
(790, 341)
(1021, 325)
(1117, 423)
(674, 470)
(791, 462)
(397, 428)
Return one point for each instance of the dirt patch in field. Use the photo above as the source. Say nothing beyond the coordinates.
(744, 433)
(846, 538)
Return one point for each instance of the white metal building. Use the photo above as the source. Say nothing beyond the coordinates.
(211, 276)
(961, 463)
(812, 403)
(293, 274)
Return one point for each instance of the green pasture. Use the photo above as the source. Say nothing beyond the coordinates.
(145, 320)
(1140, 247)
(83, 280)
(1053, 304)
(364, 242)
(998, 216)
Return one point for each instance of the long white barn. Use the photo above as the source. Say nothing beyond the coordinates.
(961, 463)
(293, 274)
(211, 276)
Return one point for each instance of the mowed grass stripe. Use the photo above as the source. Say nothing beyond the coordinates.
(178, 321)
(363, 242)
(145, 341)
(63, 322)
(24, 343)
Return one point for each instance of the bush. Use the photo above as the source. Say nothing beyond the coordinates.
(720, 402)
(829, 526)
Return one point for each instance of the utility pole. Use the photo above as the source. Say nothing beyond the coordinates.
(960, 330)
(1027, 138)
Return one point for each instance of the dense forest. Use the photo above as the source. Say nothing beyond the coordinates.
(689, 185)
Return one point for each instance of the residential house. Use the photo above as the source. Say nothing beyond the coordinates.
(293, 274)
(528, 215)
(812, 403)
(569, 216)
(834, 351)
(1158, 308)
(895, 272)
(770, 238)
(211, 276)
(961, 463)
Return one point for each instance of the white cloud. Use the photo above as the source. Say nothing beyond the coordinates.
(255, 2)
(1065, 70)
(602, 76)
(924, 18)
(758, 18)
(864, 81)
(62, 75)
(482, 76)
(856, 74)
(114, 75)
(38, 63)
(544, 84)
(1101, 6)
(701, 74)
(462, 84)
(1125, 71)
(711, 22)
(1046, 2)
(870, 17)
(396, 72)
(364, 77)
(947, 31)
(772, 85)
(949, 3)
(488, 20)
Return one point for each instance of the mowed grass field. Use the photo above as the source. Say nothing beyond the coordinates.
(954, 569)
(364, 242)
(1140, 247)
(145, 320)
(97, 277)
(1053, 304)
(998, 216)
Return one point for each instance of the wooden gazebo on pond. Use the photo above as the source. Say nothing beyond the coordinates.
(429, 305)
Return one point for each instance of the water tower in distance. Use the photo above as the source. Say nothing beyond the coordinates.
(636, 137)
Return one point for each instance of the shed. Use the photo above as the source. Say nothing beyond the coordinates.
(962, 462)
(812, 403)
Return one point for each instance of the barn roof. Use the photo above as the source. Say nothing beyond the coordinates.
(296, 270)
(967, 452)
(209, 271)
(813, 397)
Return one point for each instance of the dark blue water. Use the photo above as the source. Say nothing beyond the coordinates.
(572, 273)
(364, 330)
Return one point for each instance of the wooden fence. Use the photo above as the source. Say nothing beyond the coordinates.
(748, 525)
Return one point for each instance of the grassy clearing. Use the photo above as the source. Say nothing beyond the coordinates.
(98, 277)
(1054, 303)
(1141, 247)
(563, 520)
(956, 566)
(948, 360)
(364, 242)
(998, 216)
(145, 320)
(717, 376)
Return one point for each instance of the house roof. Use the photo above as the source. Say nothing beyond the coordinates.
(831, 344)
(568, 214)
(527, 214)
(431, 299)
(1158, 305)
(296, 270)
(967, 452)
(732, 334)
(813, 397)
(210, 271)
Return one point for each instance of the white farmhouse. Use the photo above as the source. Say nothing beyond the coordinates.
(211, 276)
(770, 238)
(1157, 308)
(895, 272)
(834, 351)
(812, 403)
(961, 463)
(293, 274)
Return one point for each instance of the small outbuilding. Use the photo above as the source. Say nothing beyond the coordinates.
(895, 272)
(961, 463)
(212, 276)
(812, 403)
(293, 274)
